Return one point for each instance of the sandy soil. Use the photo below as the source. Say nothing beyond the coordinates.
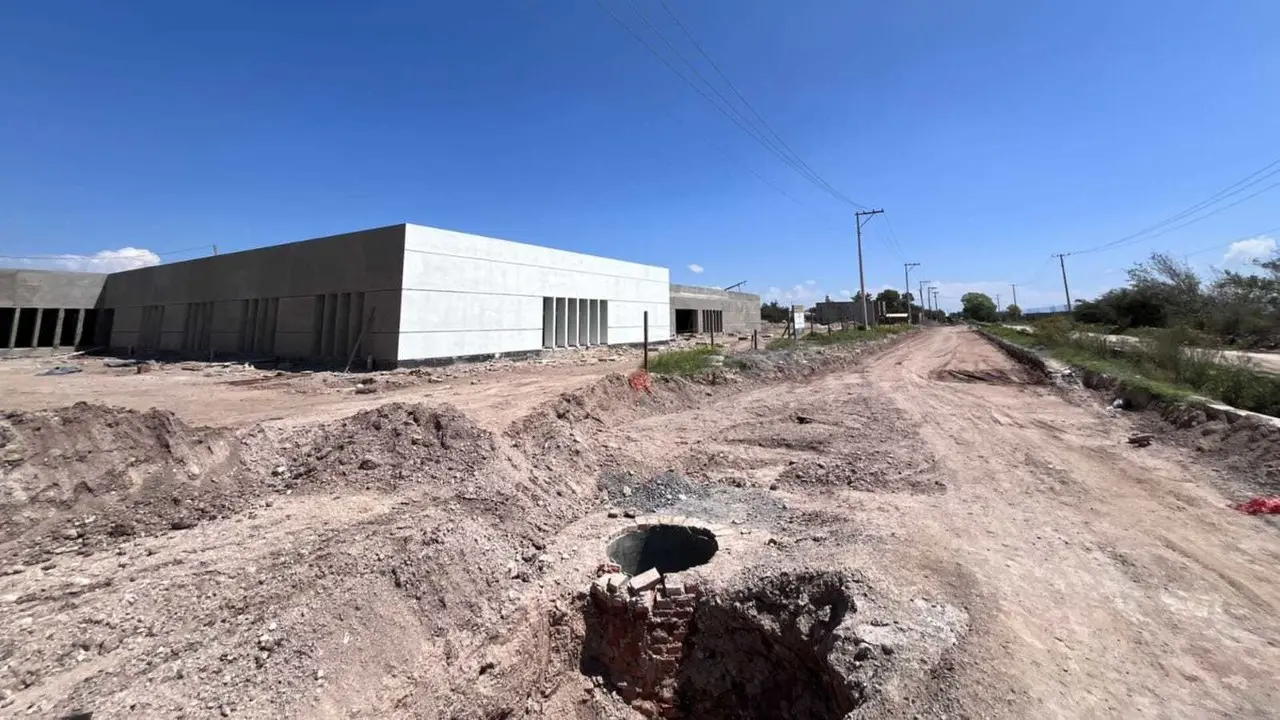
(1010, 554)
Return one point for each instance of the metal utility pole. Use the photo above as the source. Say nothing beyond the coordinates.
(1062, 261)
(906, 274)
(997, 302)
(1015, 294)
(862, 276)
(921, 298)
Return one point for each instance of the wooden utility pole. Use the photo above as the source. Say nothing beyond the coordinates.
(933, 291)
(862, 276)
(921, 298)
(907, 276)
(1062, 261)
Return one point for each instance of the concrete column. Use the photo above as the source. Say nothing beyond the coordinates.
(326, 330)
(13, 330)
(35, 329)
(57, 329)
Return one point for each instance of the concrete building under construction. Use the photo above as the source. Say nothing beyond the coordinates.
(395, 295)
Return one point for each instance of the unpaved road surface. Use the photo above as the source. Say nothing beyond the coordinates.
(1003, 551)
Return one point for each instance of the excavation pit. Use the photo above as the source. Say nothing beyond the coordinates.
(666, 548)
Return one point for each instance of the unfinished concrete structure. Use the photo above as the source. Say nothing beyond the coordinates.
(700, 310)
(44, 311)
(849, 312)
(395, 295)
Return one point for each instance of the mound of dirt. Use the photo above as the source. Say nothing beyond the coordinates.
(1246, 451)
(82, 473)
(386, 448)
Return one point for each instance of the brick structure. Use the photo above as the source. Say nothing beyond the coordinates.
(637, 625)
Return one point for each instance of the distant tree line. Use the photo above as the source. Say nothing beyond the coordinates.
(1231, 308)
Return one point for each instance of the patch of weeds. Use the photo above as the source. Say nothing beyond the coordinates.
(1167, 364)
(1014, 335)
(686, 362)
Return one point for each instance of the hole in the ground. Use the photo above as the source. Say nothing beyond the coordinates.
(669, 548)
(768, 654)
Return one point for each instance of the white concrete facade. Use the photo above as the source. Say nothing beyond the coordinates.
(468, 295)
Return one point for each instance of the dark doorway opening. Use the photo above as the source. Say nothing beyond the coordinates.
(48, 327)
(97, 328)
(8, 316)
(69, 320)
(686, 321)
(26, 327)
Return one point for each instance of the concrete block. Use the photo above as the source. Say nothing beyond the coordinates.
(645, 580)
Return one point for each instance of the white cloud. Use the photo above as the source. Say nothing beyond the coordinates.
(103, 261)
(846, 294)
(802, 294)
(1246, 251)
(695, 268)
(810, 283)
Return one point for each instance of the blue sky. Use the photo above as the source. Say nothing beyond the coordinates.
(992, 133)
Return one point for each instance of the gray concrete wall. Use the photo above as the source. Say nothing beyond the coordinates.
(43, 311)
(741, 310)
(836, 311)
(50, 289)
(306, 299)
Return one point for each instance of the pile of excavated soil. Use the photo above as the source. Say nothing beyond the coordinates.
(76, 475)
(1247, 451)
(385, 448)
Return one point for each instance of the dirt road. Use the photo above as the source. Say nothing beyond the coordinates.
(1012, 556)
(1101, 579)
(1115, 580)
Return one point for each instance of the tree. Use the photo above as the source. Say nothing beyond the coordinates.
(773, 312)
(1013, 312)
(892, 300)
(1174, 286)
(979, 307)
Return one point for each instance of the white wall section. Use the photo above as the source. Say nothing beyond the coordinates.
(472, 295)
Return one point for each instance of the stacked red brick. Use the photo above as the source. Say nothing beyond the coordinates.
(642, 623)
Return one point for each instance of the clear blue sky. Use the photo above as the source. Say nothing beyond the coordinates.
(993, 133)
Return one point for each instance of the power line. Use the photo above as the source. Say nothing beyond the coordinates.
(1162, 227)
(893, 238)
(775, 145)
(731, 113)
(764, 123)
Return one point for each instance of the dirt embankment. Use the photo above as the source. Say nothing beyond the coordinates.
(165, 567)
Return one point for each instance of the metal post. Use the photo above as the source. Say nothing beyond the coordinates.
(646, 339)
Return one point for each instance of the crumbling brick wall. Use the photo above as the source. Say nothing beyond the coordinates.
(636, 627)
